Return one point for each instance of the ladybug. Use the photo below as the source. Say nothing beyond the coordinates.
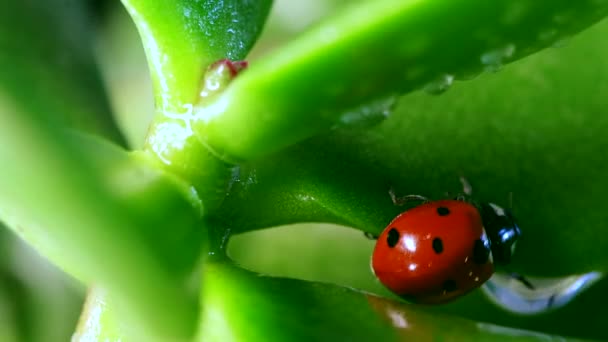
(441, 250)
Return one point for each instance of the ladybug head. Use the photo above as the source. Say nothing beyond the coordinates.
(502, 231)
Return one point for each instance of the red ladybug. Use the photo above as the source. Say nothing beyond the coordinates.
(440, 250)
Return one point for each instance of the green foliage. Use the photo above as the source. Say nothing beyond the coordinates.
(298, 137)
(82, 202)
(279, 309)
(510, 132)
(285, 309)
(36, 300)
(48, 68)
(182, 38)
(340, 65)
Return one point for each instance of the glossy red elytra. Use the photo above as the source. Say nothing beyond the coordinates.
(440, 250)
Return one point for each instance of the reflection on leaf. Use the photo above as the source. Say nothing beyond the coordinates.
(239, 305)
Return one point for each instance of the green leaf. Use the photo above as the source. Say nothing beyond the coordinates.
(48, 66)
(43, 302)
(243, 306)
(52, 195)
(533, 130)
(373, 51)
(91, 208)
(182, 38)
(99, 321)
(46, 191)
(239, 305)
(10, 330)
(333, 254)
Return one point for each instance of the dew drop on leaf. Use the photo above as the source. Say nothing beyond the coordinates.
(548, 293)
(369, 114)
(493, 60)
(439, 85)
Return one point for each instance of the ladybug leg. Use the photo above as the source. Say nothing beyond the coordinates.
(551, 301)
(467, 189)
(522, 280)
(370, 236)
(404, 199)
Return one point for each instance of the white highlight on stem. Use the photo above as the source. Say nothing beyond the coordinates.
(172, 135)
(156, 58)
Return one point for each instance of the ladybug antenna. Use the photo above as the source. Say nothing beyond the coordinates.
(370, 236)
(511, 200)
(466, 186)
(404, 199)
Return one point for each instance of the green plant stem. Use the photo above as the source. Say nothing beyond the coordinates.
(48, 67)
(181, 39)
(102, 321)
(45, 196)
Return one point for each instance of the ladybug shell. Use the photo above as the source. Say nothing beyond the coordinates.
(434, 252)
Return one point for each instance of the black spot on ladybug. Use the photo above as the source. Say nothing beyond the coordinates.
(481, 252)
(437, 245)
(443, 211)
(392, 238)
(449, 285)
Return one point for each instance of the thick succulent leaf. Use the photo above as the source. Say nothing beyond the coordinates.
(37, 301)
(334, 254)
(243, 306)
(533, 130)
(47, 64)
(46, 191)
(65, 194)
(375, 50)
(182, 38)
(122, 64)
(100, 321)
(9, 330)
(239, 305)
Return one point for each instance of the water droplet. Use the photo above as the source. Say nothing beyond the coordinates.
(494, 60)
(369, 114)
(548, 294)
(440, 85)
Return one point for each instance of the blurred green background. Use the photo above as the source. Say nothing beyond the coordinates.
(39, 303)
